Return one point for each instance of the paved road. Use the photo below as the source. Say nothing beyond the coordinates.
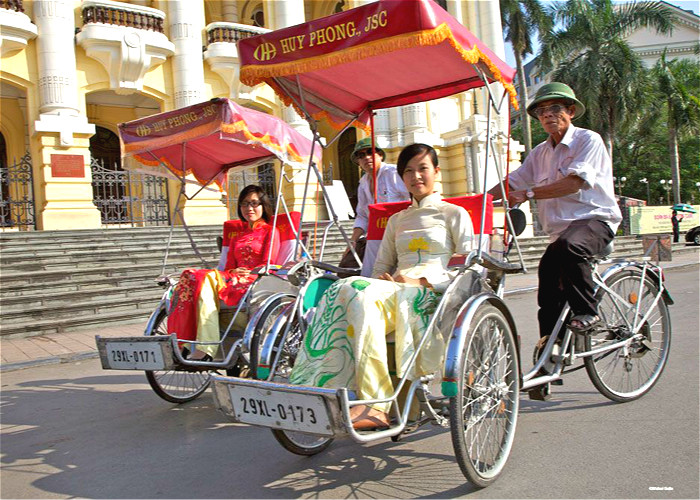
(73, 430)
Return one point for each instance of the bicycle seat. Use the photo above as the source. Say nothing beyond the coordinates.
(605, 252)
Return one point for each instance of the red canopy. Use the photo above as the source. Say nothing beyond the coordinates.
(380, 55)
(216, 135)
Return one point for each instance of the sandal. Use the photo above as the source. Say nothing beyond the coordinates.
(583, 323)
(365, 417)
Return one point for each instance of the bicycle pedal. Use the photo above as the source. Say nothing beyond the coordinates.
(540, 393)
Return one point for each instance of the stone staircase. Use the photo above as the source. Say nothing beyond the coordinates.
(59, 281)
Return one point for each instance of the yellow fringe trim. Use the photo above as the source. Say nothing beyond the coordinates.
(266, 139)
(254, 74)
(153, 163)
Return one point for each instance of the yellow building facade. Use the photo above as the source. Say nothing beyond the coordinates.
(72, 70)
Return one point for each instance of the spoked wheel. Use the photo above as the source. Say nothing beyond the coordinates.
(631, 371)
(262, 329)
(484, 412)
(176, 386)
(299, 443)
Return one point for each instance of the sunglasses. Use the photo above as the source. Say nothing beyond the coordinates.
(251, 204)
(554, 109)
(363, 153)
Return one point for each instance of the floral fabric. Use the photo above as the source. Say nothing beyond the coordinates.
(194, 310)
(346, 342)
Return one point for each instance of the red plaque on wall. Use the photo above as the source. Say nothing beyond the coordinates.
(67, 166)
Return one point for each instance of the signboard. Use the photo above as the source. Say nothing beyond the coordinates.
(649, 220)
(67, 166)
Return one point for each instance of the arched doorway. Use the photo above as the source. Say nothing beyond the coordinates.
(349, 172)
(16, 191)
(124, 197)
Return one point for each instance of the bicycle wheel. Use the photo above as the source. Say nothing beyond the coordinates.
(263, 326)
(299, 443)
(484, 412)
(175, 386)
(631, 371)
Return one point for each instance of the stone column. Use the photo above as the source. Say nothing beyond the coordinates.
(290, 13)
(186, 23)
(454, 7)
(415, 124)
(382, 128)
(230, 11)
(62, 130)
(492, 36)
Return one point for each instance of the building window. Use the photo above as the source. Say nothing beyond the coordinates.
(258, 17)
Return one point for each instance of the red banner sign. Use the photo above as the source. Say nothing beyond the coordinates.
(68, 166)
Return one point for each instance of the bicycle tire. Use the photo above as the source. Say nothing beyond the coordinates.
(625, 375)
(484, 413)
(175, 386)
(296, 442)
(267, 317)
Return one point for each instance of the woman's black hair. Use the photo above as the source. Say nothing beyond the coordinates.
(412, 150)
(264, 199)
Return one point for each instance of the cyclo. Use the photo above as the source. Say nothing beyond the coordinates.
(415, 52)
(214, 138)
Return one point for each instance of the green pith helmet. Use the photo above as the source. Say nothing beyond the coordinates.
(556, 90)
(366, 143)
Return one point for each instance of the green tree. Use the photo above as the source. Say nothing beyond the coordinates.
(522, 20)
(642, 147)
(678, 90)
(591, 55)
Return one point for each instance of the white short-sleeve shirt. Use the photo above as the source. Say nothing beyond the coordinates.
(390, 188)
(581, 152)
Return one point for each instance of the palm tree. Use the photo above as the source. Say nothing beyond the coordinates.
(521, 21)
(675, 79)
(596, 61)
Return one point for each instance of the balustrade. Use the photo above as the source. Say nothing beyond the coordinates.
(102, 12)
(231, 32)
(15, 5)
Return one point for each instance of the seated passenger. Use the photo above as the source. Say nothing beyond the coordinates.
(345, 345)
(194, 311)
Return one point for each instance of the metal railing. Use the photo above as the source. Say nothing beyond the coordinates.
(17, 209)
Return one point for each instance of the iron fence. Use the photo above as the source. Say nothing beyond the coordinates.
(263, 176)
(129, 198)
(17, 208)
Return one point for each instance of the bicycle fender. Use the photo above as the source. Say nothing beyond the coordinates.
(656, 276)
(154, 315)
(459, 334)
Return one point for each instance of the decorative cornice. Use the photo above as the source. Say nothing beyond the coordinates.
(16, 29)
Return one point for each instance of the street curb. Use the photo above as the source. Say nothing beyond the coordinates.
(52, 360)
(79, 356)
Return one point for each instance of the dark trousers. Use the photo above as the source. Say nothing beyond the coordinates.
(565, 274)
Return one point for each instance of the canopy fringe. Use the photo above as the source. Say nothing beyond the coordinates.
(254, 74)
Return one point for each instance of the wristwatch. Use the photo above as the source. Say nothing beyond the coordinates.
(530, 194)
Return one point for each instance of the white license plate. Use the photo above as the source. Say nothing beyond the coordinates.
(135, 355)
(280, 410)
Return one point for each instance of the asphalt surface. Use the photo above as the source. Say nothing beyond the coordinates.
(74, 430)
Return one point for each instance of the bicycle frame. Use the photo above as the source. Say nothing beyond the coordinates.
(568, 356)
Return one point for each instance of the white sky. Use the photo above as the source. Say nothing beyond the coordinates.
(693, 5)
